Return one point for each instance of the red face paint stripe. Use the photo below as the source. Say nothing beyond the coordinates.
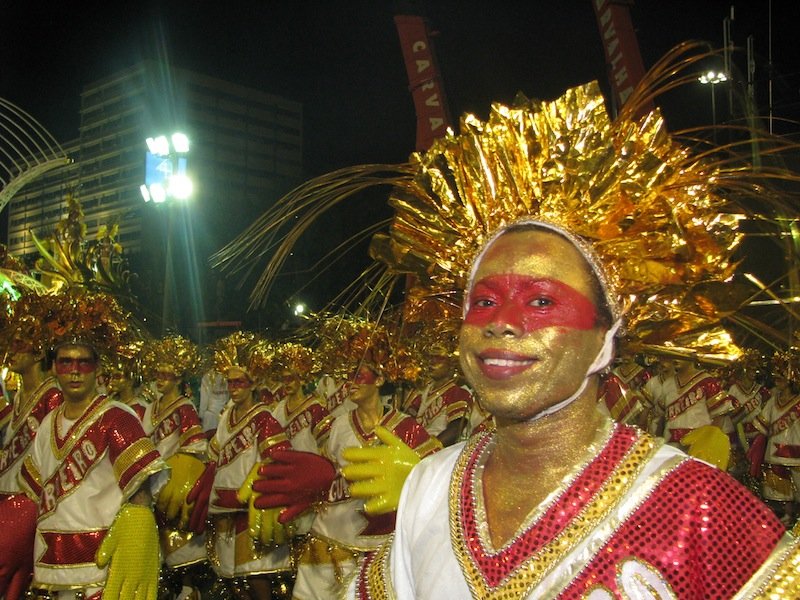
(529, 304)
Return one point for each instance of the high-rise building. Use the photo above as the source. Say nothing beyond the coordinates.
(245, 151)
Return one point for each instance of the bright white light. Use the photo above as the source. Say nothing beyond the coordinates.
(159, 145)
(713, 77)
(145, 193)
(180, 187)
(158, 193)
(180, 143)
(299, 309)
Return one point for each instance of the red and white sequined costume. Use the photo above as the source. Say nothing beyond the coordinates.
(779, 420)
(336, 394)
(639, 519)
(436, 406)
(24, 417)
(175, 427)
(689, 405)
(80, 473)
(749, 403)
(307, 428)
(619, 391)
(341, 531)
(236, 447)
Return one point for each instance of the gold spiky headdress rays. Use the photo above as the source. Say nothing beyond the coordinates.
(658, 216)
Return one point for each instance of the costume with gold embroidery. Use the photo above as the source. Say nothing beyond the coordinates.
(97, 461)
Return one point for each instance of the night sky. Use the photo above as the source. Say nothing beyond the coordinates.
(343, 61)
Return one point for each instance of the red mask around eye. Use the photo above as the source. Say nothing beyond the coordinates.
(239, 383)
(65, 365)
(529, 304)
(365, 375)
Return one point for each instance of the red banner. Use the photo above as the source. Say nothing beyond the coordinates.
(427, 91)
(625, 67)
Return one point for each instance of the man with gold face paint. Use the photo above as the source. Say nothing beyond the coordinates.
(558, 501)
(561, 231)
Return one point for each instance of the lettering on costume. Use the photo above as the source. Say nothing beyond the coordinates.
(335, 399)
(69, 474)
(298, 424)
(339, 490)
(432, 410)
(238, 443)
(167, 427)
(685, 402)
(786, 420)
(17, 446)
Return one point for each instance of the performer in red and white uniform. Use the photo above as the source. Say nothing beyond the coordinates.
(89, 458)
(341, 531)
(36, 395)
(336, 393)
(441, 407)
(688, 399)
(620, 391)
(173, 424)
(779, 424)
(246, 435)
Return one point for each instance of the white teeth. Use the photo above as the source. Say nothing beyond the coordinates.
(505, 362)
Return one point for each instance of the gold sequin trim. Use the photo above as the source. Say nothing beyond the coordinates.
(779, 576)
(533, 570)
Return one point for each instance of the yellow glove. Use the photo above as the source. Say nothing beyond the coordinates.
(262, 523)
(377, 473)
(171, 502)
(130, 549)
(709, 443)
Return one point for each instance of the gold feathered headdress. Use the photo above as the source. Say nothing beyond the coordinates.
(655, 217)
(175, 351)
(243, 350)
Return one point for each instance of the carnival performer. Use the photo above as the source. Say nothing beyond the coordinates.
(213, 398)
(248, 548)
(693, 399)
(90, 469)
(774, 452)
(547, 217)
(620, 391)
(442, 404)
(750, 397)
(36, 395)
(342, 531)
(125, 378)
(551, 224)
(173, 424)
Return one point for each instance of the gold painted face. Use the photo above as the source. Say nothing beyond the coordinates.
(530, 331)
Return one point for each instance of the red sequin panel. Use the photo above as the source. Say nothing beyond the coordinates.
(703, 532)
(496, 566)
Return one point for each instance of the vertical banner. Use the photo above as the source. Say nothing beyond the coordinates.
(624, 61)
(425, 84)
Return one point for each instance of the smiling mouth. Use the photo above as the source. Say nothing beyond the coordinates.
(503, 365)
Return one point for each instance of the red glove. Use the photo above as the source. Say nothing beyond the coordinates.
(755, 455)
(198, 498)
(18, 523)
(294, 480)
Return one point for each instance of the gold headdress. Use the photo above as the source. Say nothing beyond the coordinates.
(348, 341)
(294, 358)
(94, 319)
(175, 351)
(127, 359)
(655, 219)
(243, 350)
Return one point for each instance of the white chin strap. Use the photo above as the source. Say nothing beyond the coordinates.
(601, 361)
